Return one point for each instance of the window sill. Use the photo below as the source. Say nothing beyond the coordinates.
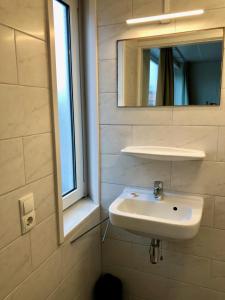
(76, 217)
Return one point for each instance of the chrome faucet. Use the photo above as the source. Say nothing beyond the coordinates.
(158, 190)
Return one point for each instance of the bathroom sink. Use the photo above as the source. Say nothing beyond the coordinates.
(176, 216)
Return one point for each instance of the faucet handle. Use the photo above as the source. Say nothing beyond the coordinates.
(158, 184)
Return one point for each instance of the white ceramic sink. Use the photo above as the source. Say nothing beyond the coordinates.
(176, 216)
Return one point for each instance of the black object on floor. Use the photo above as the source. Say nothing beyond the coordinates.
(108, 287)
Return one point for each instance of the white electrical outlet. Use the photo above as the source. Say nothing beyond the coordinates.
(27, 213)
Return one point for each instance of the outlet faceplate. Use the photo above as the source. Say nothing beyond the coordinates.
(27, 213)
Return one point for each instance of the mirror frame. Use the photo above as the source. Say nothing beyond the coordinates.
(201, 35)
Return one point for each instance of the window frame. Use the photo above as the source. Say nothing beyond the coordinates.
(80, 192)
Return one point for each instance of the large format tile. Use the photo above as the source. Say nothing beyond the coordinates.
(107, 76)
(44, 197)
(111, 114)
(219, 214)
(183, 5)
(10, 227)
(199, 177)
(221, 145)
(193, 137)
(24, 15)
(111, 12)
(117, 253)
(208, 243)
(44, 202)
(11, 165)
(8, 74)
(148, 286)
(201, 115)
(144, 8)
(217, 279)
(71, 286)
(128, 170)
(109, 192)
(110, 34)
(32, 60)
(38, 156)
(43, 240)
(208, 211)
(15, 265)
(72, 254)
(107, 40)
(41, 283)
(186, 268)
(115, 138)
(26, 111)
(210, 19)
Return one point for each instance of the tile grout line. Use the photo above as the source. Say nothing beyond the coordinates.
(24, 32)
(16, 55)
(25, 184)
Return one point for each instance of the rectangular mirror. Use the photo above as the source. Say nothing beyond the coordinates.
(175, 70)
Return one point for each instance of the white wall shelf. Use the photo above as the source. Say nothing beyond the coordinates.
(164, 153)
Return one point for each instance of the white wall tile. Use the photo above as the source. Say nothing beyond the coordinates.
(118, 253)
(26, 111)
(43, 240)
(8, 74)
(210, 19)
(44, 197)
(200, 115)
(27, 16)
(116, 233)
(199, 177)
(193, 137)
(183, 5)
(111, 12)
(115, 138)
(72, 254)
(107, 37)
(221, 145)
(145, 8)
(71, 286)
(109, 192)
(107, 76)
(219, 215)
(41, 283)
(11, 165)
(38, 156)
(32, 60)
(208, 211)
(128, 170)
(110, 34)
(15, 265)
(217, 280)
(10, 227)
(186, 268)
(208, 243)
(111, 114)
(149, 286)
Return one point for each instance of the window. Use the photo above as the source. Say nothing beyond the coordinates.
(153, 79)
(68, 98)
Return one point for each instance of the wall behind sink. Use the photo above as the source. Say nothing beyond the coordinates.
(190, 270)
(33, 266)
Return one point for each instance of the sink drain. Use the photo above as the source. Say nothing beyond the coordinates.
(175, 208)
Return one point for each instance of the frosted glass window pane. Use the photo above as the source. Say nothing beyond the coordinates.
(65, 97)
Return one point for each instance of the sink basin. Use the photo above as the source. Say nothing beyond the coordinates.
(176, 216)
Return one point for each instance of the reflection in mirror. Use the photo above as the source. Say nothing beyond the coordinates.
(178, 74)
